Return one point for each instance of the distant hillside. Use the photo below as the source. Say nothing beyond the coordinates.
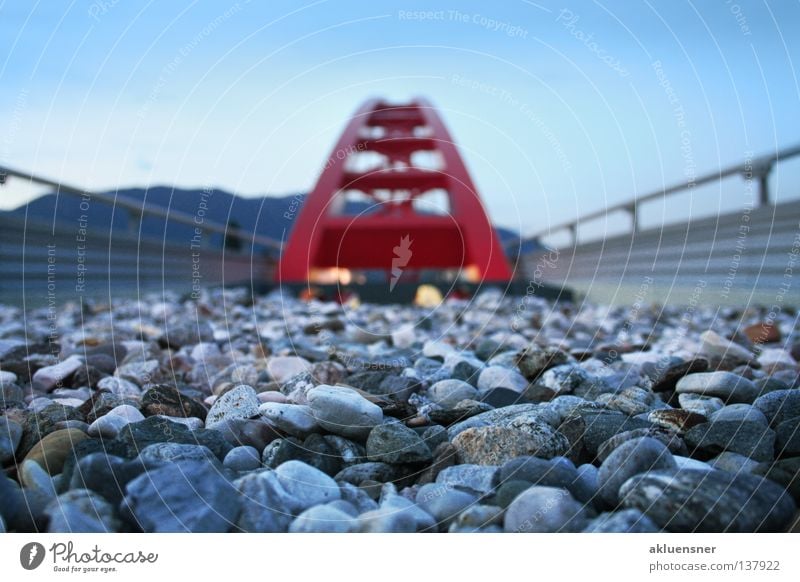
(266, 215)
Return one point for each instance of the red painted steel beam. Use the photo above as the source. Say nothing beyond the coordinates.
(463, 239)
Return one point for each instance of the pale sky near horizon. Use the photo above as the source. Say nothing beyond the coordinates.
(560, 108)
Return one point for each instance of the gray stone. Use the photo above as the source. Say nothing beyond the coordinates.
(371, 471)
(266, 506)
(787, 443)
(704, 405)
(423, 520)
(344, 411)
(477, 478)
(109, 425)
(81, 511)
(448, 393)
(119, 387)
(244, 458)
(499, 377)
(294, 419)
(49, 377)
(566, 378)
(779, 405)
(709, 501)
(739, 413)
(545, 510)
(186, 496)
(307, 485)
(239, 403)
(386, 520)
(624, 521)
(727, 386)
(396, 443)
(478, 518)
(631, 458)
(172, 452)
(10, 436)
(443, 502)
(751, 439)
(495, 445)
(323, 519)
(733, 462)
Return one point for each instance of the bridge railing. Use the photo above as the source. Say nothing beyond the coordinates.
(757, 169)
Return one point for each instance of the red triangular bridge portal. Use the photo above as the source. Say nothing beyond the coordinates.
(400, 160)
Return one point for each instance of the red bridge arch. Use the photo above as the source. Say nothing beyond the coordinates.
(394, 235)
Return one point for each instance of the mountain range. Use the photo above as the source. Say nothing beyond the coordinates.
(270, 216)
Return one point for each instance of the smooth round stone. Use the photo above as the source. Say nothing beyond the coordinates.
(624, 521)
(307, 485)
(53, 449)
(542, 509)
(163, 400)
(371, 471)
(10, 437)
(690, 463)
(733, 463)
(779, 405)
(422, 519)
(535, 360)
(709, 501)
(557, 472)
(631, 458)
(48, 377)
(751, 439)
(434, 436)
(171, 452)
(33, 476)
(272, 396)
(566, 378)
(703, 405)
(477, 478)
(295, 419)
(787, 438)
(323, 519)
(242, 459)
(499, 377)
(386, 520)
(344, 411)
(396, 443)
(192, 422)
(509, 490)
(281, 368)
(119, 387)
(715, 345)
(239, 403)
(478, 518)
(740, 413)
(443, 502)
(81, 511)
(109, 425)
(448, 393)
(140, 372)
(7, 378)
(266, 506)
(494, 445)
(727, 386)
(675, 419)
(185, 496)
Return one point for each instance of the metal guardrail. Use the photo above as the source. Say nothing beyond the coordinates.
(138, 209)
(758, 168)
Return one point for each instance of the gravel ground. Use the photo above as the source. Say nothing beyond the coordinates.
(498, 414)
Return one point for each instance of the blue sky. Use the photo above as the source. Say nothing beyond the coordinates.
(559, 108)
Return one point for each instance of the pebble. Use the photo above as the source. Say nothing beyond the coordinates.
(344, 411)
(740, 413)
(448, 393)
(727, 386)
(751, 439)
(566, 378)
(444, 502)
(281, 368)
(494, 445)
(716, 345)
(323, 519)
(49, 377)
(733, 463)
(623, 521)
(702, 405)
(395, 443)
(108, 426)
(163, 400)
(119, 387)
(294, 419)
(10, 437)
(185, 496)
(81, 511)
(779, 405)
(499, 377)
(631, 458)
(172, 452)
(242, 459)
(266, 507)
(479, 479)
(709, 501)
(541, 509)
(306, 485)
(240, 402)
(51, 452)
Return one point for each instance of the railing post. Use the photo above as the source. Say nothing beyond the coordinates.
(632, 210)
(761, 171)
(573, 232)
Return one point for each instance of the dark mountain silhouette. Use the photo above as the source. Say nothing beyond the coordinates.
(270, 216)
